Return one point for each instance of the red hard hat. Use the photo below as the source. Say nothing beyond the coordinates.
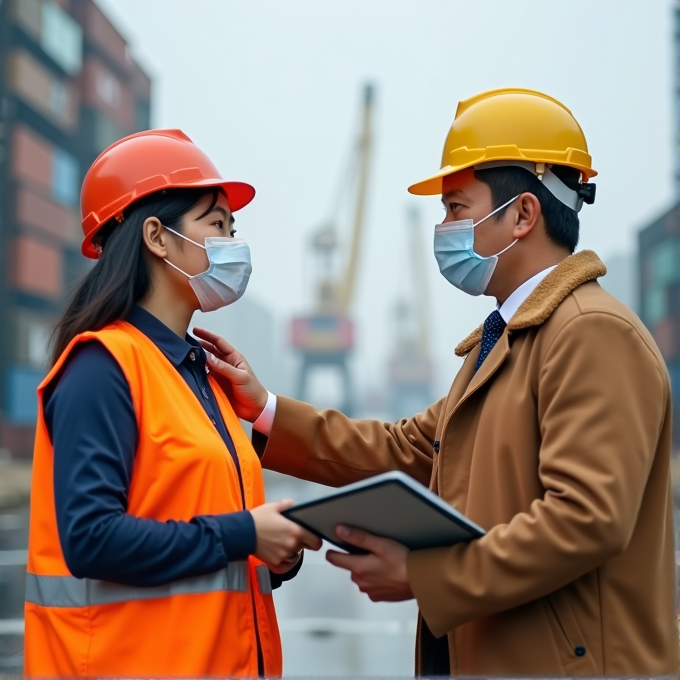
(142, 164)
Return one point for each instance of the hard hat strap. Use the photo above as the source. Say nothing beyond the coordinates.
(572, 199)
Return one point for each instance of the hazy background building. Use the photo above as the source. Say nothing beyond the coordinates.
(659, 293)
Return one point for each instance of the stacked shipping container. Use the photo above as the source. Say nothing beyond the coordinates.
(659, 269)
(68, 88)
(659, 303)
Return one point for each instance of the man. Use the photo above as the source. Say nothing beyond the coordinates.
(555, 436)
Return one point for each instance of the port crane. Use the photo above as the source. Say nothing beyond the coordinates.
(325, 337)
(410, 366)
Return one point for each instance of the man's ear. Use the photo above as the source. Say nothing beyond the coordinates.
(528, 213)
(155, 237)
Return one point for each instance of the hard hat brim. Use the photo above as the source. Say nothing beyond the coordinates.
(431, 186)
(239, 195)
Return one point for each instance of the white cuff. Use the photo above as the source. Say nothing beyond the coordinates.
(265, 420)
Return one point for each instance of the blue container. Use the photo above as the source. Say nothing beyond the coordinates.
(22, 401)
(65, 178)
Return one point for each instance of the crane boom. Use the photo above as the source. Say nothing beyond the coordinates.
(347, 283)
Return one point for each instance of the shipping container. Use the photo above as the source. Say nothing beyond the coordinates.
(52, 96)
(105, 37)
(32, 158)
(141, 83)
(52, 135)
(37, 212)
(143, 114)
(61, 37)
(20, 397)
(106, 92)
(36, 267)
(659, 295)
(665, 334)
(104, 131)
(65, 178)
(31, 333)
(37, 163)
(28, 15)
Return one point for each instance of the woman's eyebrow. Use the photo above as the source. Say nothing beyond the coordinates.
(215, 209)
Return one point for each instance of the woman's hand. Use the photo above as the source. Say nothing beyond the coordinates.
(234, 375)
(287, 565)
(279, 541)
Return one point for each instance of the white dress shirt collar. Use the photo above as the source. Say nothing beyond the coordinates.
(514, 302)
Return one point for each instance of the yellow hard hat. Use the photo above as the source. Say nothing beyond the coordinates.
(514, 125)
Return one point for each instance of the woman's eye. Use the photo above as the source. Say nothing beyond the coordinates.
(232, 232)
(219, 224)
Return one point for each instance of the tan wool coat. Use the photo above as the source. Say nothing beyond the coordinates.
(559, 447)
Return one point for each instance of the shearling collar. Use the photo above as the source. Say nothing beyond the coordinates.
(571, 273)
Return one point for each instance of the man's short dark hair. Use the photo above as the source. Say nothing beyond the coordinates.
(561, 222)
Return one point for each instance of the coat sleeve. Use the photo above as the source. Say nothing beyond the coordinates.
(328, 448)
(603, 397)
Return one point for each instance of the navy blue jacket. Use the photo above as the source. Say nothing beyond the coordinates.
(91, 421)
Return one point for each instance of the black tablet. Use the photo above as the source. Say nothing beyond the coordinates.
(392, 505)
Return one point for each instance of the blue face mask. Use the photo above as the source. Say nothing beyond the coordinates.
(458, 262)
(227, 275)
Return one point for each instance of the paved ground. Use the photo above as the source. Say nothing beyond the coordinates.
(328, 627)
(13, 543)
(15, 482)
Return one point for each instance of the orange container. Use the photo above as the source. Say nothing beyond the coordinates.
(102, 32)
(40, 213)
(54, 97)
(105, 91)
(32, 158)
(36, 267)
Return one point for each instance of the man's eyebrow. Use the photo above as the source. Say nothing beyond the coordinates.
(454, 193)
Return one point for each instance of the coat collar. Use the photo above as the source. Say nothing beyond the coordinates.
(571, 273)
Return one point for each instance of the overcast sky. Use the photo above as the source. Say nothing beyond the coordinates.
(270, 89)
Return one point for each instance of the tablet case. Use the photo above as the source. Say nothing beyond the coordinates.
(392, 505)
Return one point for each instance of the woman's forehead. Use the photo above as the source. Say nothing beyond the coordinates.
(211, 201)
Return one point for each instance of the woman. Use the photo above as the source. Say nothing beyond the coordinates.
(151, 551)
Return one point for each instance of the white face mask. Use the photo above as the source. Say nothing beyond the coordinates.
(458, 262)
(227, 275)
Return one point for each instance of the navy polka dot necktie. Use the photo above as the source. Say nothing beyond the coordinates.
(493, 329)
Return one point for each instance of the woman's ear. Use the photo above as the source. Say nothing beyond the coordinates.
(155, 236)
(528, 213)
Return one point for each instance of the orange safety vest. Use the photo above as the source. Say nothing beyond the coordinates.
(196, 627)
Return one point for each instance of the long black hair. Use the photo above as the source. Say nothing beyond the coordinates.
(121, 276)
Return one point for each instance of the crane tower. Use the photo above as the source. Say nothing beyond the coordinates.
(410, 366)
(325, 337)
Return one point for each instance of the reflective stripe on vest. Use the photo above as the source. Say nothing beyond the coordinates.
(68, 591)
(264, 579)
